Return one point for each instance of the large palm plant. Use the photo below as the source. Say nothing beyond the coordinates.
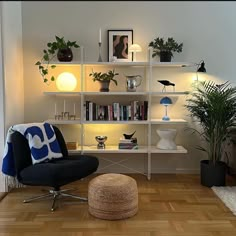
(214, 106)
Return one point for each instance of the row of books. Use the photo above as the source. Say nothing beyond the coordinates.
(136, 110)
(128, 143)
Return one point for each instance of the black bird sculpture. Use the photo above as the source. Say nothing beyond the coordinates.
(166, 83)
(129, 136)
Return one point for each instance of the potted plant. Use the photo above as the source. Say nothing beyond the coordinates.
(214, 106)
(60, 48)
(165, 49)
(104, 79)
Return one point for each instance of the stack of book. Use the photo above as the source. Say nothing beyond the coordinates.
(128, 143)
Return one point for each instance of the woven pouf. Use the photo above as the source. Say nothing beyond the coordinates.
(113, 197)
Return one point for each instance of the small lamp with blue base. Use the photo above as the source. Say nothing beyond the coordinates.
(166, 101)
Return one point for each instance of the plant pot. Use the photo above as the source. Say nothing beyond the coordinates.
(212, 175)
(104, 86)
(64, 55)
(165, 56)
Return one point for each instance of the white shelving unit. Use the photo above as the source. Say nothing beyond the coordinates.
(144, 93)
(179, 149)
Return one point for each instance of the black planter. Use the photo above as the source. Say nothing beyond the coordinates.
(213, 175)
(165, 56)
(104, 86)
(64, 55)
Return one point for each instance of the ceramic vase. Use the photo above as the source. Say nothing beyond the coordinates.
(167, 139)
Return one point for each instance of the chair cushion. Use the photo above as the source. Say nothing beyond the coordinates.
(58, 172)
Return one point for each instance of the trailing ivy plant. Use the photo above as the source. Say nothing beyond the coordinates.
(49, 54)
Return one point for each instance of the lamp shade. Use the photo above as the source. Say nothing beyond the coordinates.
(166, 101)
(66, 82)
(202, 67)
(135, 48)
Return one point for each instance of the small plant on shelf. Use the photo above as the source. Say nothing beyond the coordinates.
(104, 79)
(165, 49)
(60, 48)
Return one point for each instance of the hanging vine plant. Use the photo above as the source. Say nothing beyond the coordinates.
(55, 48)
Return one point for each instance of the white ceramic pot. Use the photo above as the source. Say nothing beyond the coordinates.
(167, 139)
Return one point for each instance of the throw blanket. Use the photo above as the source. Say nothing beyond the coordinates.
(42, 142)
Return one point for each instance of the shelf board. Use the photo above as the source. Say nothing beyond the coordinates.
(118, 122)
(171, 121)
(63, 122)
(113, 149)
(179, 149)
(115, 93)
(132, 63)
(69, 63)
(170, 64)
(140, 122)
(63, 93)
(123, 93)
(169, 93)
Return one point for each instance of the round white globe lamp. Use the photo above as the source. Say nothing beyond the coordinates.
(66, 82)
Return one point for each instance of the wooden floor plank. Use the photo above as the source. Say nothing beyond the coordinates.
(169, 205)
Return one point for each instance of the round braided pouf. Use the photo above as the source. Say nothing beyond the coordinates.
(113, 197)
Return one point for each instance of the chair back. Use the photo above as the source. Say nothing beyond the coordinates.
(22, 153)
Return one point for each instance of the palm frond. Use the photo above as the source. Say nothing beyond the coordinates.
(214, 107)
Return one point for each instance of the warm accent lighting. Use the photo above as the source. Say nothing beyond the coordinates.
(166, 101)
(135, 48)
(66, 82)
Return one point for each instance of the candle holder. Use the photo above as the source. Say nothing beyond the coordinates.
(100, 52)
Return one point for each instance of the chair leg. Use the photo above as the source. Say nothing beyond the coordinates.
(74, 196)
(55, 194)
(37, 197)
(55, 197)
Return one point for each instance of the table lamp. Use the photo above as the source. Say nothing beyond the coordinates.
(135, 48)
(66, 82)
(166, 101)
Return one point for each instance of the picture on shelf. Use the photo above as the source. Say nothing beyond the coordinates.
(119, 42)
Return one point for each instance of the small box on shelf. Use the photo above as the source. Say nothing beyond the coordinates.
(71, 145)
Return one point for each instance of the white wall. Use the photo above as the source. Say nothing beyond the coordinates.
(11, 71)
(206, 29)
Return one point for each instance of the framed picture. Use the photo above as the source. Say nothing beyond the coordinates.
(119, 42)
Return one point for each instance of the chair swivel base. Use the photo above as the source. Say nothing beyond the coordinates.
(55, 194)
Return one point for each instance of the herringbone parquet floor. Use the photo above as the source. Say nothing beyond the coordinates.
(169, 205)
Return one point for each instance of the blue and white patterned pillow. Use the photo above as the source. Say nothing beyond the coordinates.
(42, 142)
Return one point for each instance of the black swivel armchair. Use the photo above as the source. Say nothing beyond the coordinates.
(54, 173)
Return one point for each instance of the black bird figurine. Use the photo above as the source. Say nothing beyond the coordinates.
(166, 83)
(129, 136)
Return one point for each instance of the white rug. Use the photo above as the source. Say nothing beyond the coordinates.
(227, 195)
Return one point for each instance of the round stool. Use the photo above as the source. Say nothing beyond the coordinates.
(113, 197)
